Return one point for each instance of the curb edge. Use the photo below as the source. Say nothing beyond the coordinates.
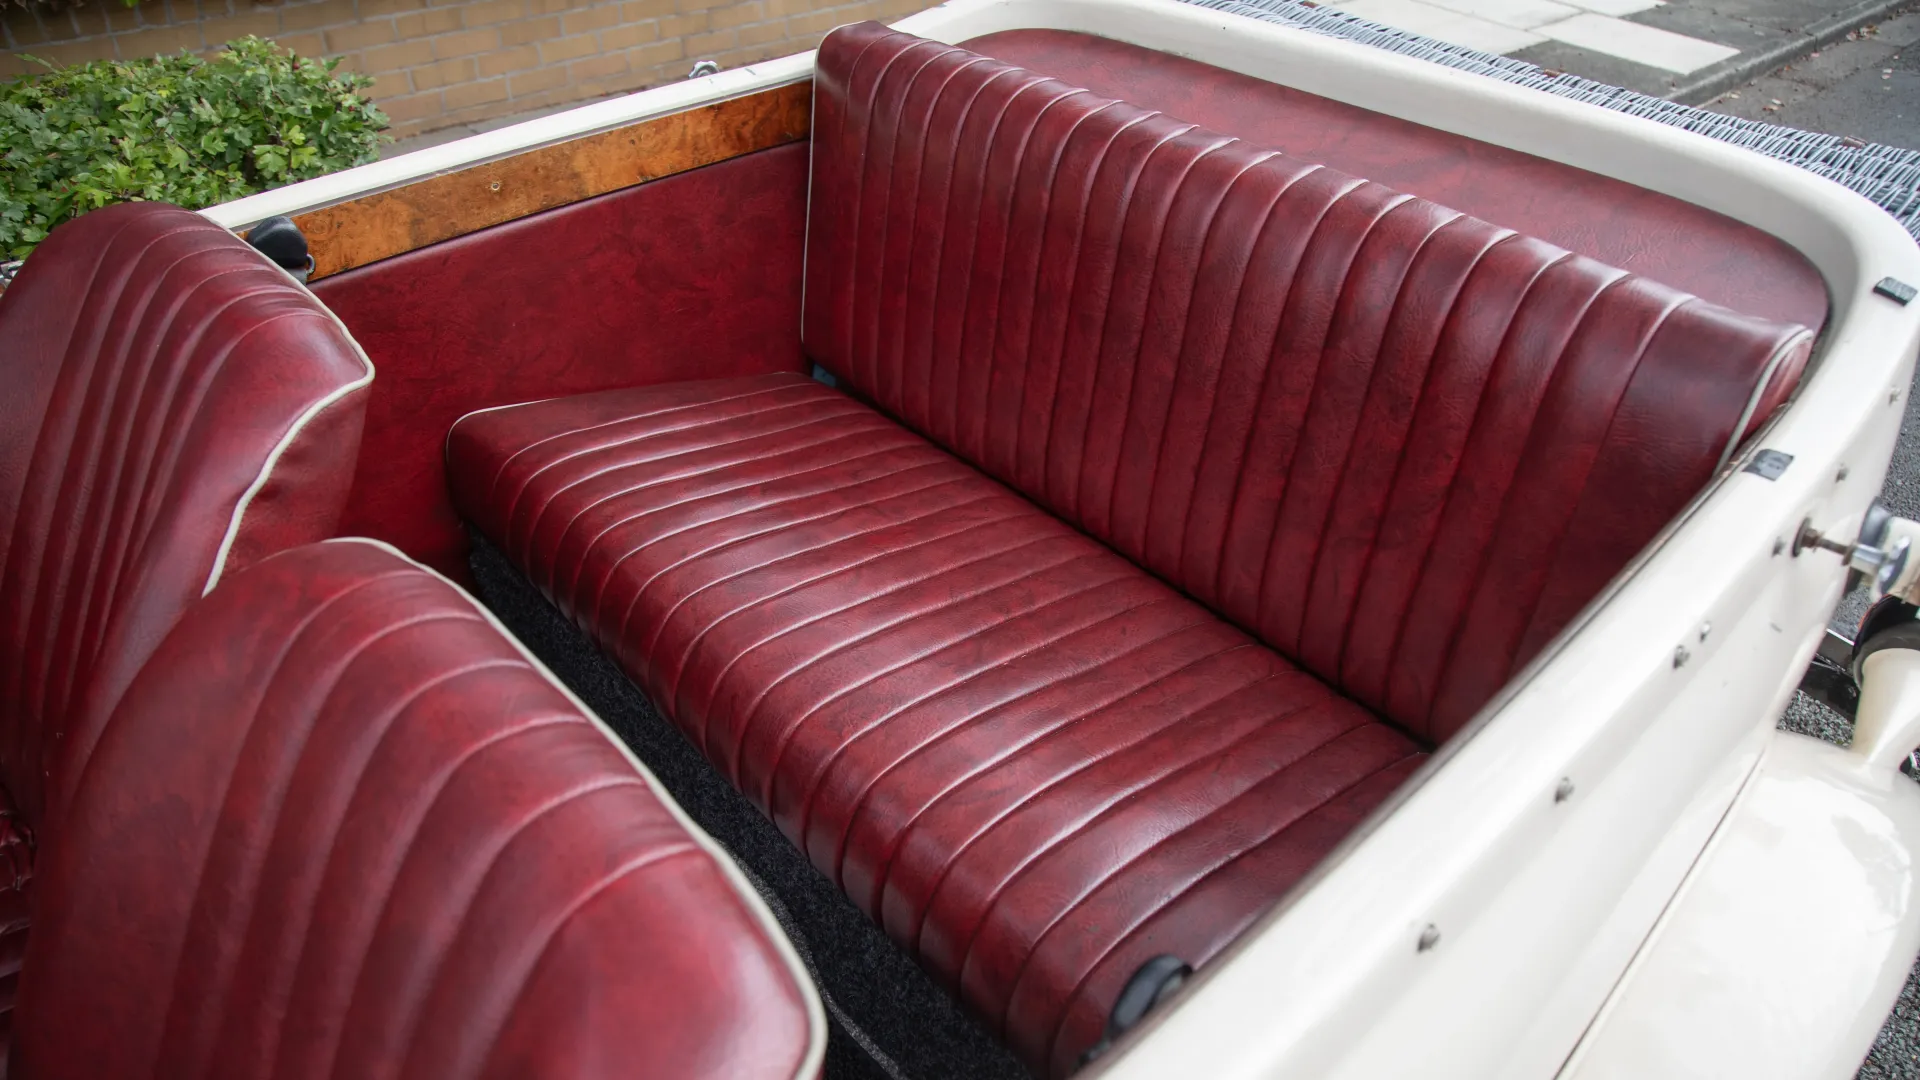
(1713, 81)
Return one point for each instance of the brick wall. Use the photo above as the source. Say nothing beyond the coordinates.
(437, 63)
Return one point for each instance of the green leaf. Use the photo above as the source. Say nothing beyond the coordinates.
(177, 128)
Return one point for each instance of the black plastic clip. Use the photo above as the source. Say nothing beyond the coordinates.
(281, 241)
(1154, 983)
(1896, 290)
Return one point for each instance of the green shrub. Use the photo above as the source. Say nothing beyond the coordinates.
(174, 128)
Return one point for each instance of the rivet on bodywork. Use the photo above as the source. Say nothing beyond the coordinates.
(1705, 629)
(1563, 790)
(1428, 938)
(1779, 545)
(1841, 475)
(1681, 656)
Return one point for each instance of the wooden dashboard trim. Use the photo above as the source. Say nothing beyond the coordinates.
(427, 211)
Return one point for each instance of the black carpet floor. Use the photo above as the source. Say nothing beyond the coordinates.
(889, 1021)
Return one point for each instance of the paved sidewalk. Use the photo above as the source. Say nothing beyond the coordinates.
(1687, 49)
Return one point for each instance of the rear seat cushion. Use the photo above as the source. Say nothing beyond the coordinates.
(175, 407)
(342, 826)
(1400, 445)
(1036, 766)
(1392, 443)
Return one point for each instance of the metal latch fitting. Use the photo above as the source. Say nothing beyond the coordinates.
(1878, 558)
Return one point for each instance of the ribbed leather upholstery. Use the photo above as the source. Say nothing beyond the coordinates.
(1036, 766)
(174, 406)
(341, 826)
(1398, 446)
(1396, 443)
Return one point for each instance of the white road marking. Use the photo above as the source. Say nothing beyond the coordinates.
(1520, 14)
(1449, 26)
(1505, 26)
(1647, 45)
(1616, 7)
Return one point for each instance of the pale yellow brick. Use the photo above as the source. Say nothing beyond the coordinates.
(593, 18)
(370, 8)
(444, 73)
(636, 10)
(594, 67)
(484, 111)
(308, 44)
(391, 85)
(568, 48)
(672, 50)
(466, 42)
(413, 107)
(628, 35)
(818, 23)
(360, 35)
(399, 56)
(474, 93)
(233, 27)
(682, 25)
(422, 24)
(716, 41)
(158, 41)
(531, 82)
(318, 15)
(526, 30)
(489, 12)
(727, 18)
(515, 59)
(763, 33)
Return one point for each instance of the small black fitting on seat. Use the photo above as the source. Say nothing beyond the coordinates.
(1154, 983)
(281, 241)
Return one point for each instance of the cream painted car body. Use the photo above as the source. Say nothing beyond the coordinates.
(1606, 867)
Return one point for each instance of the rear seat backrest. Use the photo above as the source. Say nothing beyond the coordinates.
(175, 407)
(1399, 444)
(341, 825)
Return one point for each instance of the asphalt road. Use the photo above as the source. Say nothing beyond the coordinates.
(1868, 88)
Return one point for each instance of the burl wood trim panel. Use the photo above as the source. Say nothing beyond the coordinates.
(393, 222)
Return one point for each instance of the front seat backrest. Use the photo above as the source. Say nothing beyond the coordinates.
(175, 407)
(342, 825)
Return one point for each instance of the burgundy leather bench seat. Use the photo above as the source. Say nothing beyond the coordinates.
(172, 407)
(1669, 240)
(1036, 766)
(341, 825)
(1181, 494)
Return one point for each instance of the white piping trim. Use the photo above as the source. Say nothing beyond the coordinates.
(281, 447)
(812, 1060)
(446, 443)
(1753, 399)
